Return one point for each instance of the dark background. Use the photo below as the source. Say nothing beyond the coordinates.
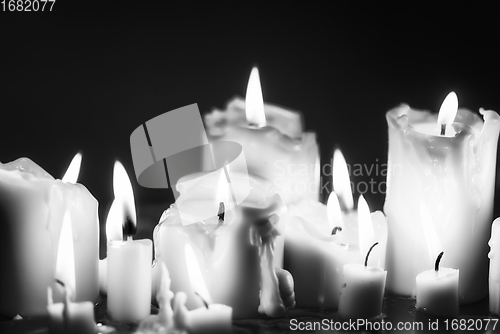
(83, 77)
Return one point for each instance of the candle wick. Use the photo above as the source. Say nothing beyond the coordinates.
(58, 281)
(438, 260)
(336, 229)
(221, 213)
(202, 299)
(129, 227)
(368, 253)
(443, 129)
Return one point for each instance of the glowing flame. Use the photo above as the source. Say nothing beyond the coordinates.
(431, 237)
(254, 102)
(122, 209)
(65, 263)
(448, 110)
(341, 181)
(73, 171)
(333, 211)
(222, 194)
(365, 226)
(195, 275)
(114, 220)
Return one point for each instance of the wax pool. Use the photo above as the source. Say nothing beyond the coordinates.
(454, 176)
(32, 207)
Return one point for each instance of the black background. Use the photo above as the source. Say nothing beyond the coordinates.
(84, 76)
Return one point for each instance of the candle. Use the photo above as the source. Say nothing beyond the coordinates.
(68, 317)
(437, 291)
(233, 256)
(316, 249)
(362, 293)
(321, 239)
(494, 279)
(129, 261)
(453, 174)
(33, 205)
(274, 144)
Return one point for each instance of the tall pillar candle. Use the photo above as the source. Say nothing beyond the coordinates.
(453, 175)
(32, 207)
(275, 145)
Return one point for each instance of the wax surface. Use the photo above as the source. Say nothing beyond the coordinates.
(362, 293)
(437, 292)
(129, 279)
(494, 278)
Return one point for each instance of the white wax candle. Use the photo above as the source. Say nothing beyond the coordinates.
(494, 279)
(437, 292)
(362, 293)
(229, 255)
(217, 318)
(454, 177)
(33, 205)
(69, 317)
(315, 257)
(129, 261)
(279, 151)
(129, 279)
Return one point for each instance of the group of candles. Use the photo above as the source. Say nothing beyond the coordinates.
(249, 235)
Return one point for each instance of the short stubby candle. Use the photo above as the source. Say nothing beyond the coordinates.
(453, 174)
(437, 291)
(362, 293)
(230, 258)
(274, 143)
(32, 207)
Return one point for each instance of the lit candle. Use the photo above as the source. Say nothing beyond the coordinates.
(494, 279)
(454, 175)
(273, 141)
(362, 293)
(68, 317)
(33, 205)
(129, 261)
(320, 240)
(437, 291)
(234, 256)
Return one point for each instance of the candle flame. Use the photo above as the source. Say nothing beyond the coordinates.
(71, 175)
(222, 194)
(333, 211)
(341, 181)
(254, 102)
(195, 276)
(124, 195)
(65, 263)
(431, 237)
(365, 226)
(448, 110)
(114, 230)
